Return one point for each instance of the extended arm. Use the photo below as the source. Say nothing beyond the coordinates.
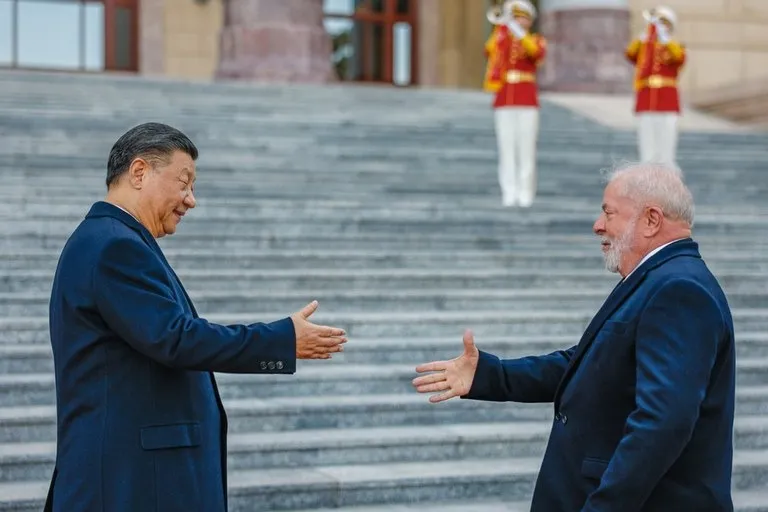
(136, 300)
(527, 379)
(677, 342)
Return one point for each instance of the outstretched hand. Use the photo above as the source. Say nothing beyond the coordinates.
(315, 341)
(453, 377)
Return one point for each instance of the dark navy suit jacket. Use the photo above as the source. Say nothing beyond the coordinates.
(644, 404)
(140, 425)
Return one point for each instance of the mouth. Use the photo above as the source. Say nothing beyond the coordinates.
(178, 213)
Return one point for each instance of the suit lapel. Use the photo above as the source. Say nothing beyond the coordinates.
(105, 209)
(614, 300)
(617, 297)
(155, 247)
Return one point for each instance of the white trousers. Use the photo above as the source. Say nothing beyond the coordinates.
(657, 137)
(517, 130)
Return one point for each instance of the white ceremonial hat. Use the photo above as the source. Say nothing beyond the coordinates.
(665, 13)
(520, 7)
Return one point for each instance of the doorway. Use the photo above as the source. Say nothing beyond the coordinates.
(373, 40)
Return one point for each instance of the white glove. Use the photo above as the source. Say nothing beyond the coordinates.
(516, 29)
(663, 33)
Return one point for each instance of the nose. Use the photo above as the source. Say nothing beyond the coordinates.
(599, 226)
(190, 201)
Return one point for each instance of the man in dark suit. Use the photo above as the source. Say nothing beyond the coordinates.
(644, 403)
(140, 423)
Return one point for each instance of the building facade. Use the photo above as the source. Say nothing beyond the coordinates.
(399, 42)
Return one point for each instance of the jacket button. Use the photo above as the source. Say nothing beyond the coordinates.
(564, 419)
(271, 365)
(263, 365)
(279, 365)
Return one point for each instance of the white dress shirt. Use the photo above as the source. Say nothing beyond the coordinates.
(647, 256)
(126, 211)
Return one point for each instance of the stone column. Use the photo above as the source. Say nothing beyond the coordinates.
(269, 40)
(586, 46)
(152, 37)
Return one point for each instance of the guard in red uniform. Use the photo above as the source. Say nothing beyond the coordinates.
(513, 57)
(658, 59)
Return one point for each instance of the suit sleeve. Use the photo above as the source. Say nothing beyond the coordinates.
(676, 347)
(527, 379)
(135, 299)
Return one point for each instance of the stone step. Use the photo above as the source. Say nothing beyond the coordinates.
(384, 241)
(226, 207)
(309, 448)
(299, 181)
(382, 221)
(340, 300)
(454, 196)
(283, 136)
(743, 501)
(397, 157)
(443, 198)
(546, 209)
(209, 130)
(71, 207)
(451, 111)
(383, 445)
(480, 505)
(209, 126)
(32, 423)
(412, 324)
(319, 133)
(359, 259)
(308, 179)
(391, 484)
(217, 166)
(333, 228)
(311, 379)
(386, 279)
(29, 358)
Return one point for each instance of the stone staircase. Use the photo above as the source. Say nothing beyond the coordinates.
(383, 205)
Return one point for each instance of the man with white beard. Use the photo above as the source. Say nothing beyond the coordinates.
(644, 403)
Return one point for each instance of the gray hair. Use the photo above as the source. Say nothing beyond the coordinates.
(656, 183)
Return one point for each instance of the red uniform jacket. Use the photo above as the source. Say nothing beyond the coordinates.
(657, 67)
(512, 68)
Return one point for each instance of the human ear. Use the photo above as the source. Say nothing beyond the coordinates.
(137, 172)
(653, 220)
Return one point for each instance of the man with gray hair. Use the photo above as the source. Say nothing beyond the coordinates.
(644, 403)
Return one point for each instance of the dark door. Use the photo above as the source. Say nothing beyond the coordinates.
(121, 29)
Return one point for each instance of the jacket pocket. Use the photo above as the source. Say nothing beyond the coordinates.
(180, 435)
(593, 468)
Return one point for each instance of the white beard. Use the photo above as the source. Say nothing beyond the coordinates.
(618, 247)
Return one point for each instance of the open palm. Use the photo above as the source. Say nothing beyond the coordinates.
(454, 378)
